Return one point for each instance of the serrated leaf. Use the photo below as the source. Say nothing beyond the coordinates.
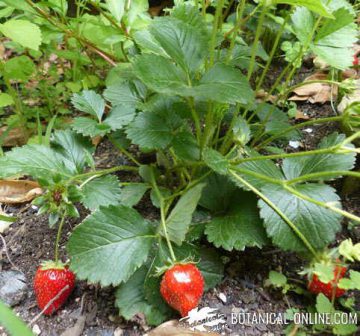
(303, 23)
(132, 194)
(295, 167)
(116, 235)
(154, 129)
(211, 267)
(217, 194)
(5, 100)
(177, 223)
(217, 162)
(122, 94)
(73, 147)
(89, 102)
(323, 304)
(240, 226)
(336, 38)
(130, 299)
(185, 44)
(116, 8)
(186, 147)
(349, 251)
(19, 68)
(37, 161)
(23, 32)
(224, 84)
(241, 131)
(263, 167)
(277, 279)
(352, 283)
(160, 74)
(120, 116)
(324, 272)
(317, 224)
(314, 5)
(89, 127)
(102, 191)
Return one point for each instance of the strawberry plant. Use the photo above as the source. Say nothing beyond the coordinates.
(185, 96)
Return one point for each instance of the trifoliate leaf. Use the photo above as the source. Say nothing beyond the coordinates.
(122, 94)
(90, 127)
(109, 245)
(120, 116)
(132, 194)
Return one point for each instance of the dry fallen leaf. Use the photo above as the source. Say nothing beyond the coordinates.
(14, 137)
(173, 328)
(262, 95)
(18, 191)
(77, 329)
(301, 116)
(315, 92)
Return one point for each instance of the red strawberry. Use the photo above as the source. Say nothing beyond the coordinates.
(355, 61)
(316, 286)
(182, 287)
(50, 279)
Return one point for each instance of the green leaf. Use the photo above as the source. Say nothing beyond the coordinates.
(224, 84)
(211, 267)
(324, 272)
(23, 32)
(116, 8)
(109, 245)
(154, 129)
(120, 116)
(263, 167)
(185, 44)
(349, 251)
(186, 147)
(19, 68)
(216, 161)
(12, 323)
(160, 74)
(240, 226)
(122, 94)
(323, 304)
(277, 279)
(178, 221)
(217, 194)
(314, 5)
(335, 40)
(89, 127)
(74, 148)
(89, 102)
(35, 160)
(5, 100)
(131, 300)
(102, 191)
(148, 43)
(241, 131)
(295, 167)
(303, 22)
(352, 283)
(317, 224)
(132, 194)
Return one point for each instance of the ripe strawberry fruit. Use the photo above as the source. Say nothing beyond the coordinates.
(316, 286)
(182, 287)
(50, 279)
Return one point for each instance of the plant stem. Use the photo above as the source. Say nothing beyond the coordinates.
(195, 118)
(256, 41)
(218, 15)
(316, 176)
(297, 126)
(278, 211)
(58, 236)
(322, 204)
(162, 214)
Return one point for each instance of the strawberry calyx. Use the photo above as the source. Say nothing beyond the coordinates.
(169, 263)
(50, 264)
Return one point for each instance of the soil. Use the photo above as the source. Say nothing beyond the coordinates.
(30, 240)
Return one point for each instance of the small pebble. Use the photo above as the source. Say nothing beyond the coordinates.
(294, 144)
(36, 329)
(308, 130)
(222, 297)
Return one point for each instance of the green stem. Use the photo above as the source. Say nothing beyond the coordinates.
(218, 15)
(278, 211)
(297, 126)
(322, 204)
(315, 176)
(58, 236)
(256, 41)
(162, 214)
(196, 119)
